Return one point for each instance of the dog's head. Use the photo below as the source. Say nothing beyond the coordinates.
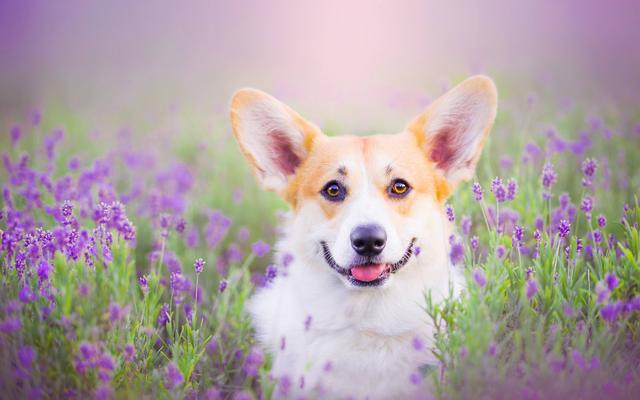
(362, 204)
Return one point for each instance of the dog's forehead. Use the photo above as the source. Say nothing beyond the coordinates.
(375, 154)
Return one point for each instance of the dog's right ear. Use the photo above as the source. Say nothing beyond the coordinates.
(274, 138)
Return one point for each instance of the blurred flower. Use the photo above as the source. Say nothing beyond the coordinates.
(589, 167)
(500, 251)
(129, 353)
(26, 356)
(243, 234)
(103, 392)
(199, 265)
(512, 188)
(611, 280)
(587, 205)
(26, 295)
(16, 134)
(474, 242)
(307, 323)
(456, 254)
(173, 376)
(477, 191)
(449, 211)
(498, 190)
(270, 274)
(216, 228)
(479, 277)
(117, 312)
(531, 288)
(564, 228)
(611, 311)
(466, 225)
(260, 248)
(213, 393)
(415, 378)
(163, 316)
(602, 221)
(602, 293)
(144, 285)
(549, 176)
(222, 286)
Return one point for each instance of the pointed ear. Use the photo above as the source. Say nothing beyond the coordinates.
(274, 138)
(454, 128)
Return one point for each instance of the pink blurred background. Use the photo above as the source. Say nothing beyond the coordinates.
(335, 57)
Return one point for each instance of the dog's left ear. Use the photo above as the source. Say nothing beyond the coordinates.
(274, 138)
(453, 129)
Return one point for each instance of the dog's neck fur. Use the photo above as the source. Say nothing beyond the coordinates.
(349, 327)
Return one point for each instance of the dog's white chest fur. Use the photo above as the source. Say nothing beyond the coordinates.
(330, 342)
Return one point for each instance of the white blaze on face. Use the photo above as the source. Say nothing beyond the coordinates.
(367, 207)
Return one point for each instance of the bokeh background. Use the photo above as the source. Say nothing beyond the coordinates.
(367, 64)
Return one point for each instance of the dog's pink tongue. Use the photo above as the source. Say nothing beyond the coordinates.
(367, 273)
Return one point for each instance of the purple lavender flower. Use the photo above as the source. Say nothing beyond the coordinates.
(270, 274)
(103, 392)
(450, 215)
(199, 265)
(144, 285)
(589, 167)
(457, 253)
(417, 250)
(477, 191)
(498, 190)
(602, 293)
(596, 235)
(26, 295)
(611, 280)
(479, 277)
(15, 133)
(518, 234)
(549, 176)
(587, 205)
(474, 242)
(129, 352)
(222, 286)
(163, 316)
(117, 312)
(564, 228)
(260, 248)
(602, 221)
(500, 251)
(26, 356)
(466, 225)
(512, 188)
(9, 325)
(173, 377)
(217, 228)
(233, 253)
(417, 343)
(611, 311)
(44, 270)
(531, 288)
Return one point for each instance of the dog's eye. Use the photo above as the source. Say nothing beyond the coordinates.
(334, 191)
(399, 188)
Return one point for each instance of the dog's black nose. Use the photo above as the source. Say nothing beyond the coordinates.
(368, 240)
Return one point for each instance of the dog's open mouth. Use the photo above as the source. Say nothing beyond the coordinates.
(368, 273)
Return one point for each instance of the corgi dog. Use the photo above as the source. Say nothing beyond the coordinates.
(368, 236)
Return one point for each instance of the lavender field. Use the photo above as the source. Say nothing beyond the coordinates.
(125, 267)
(133, 233)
